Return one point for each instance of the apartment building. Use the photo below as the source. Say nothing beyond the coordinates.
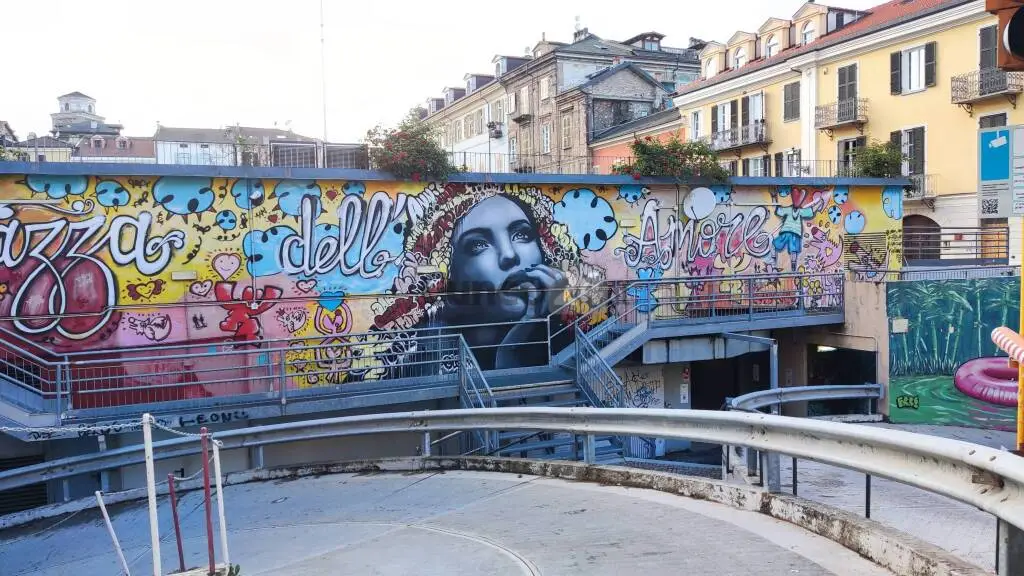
(569, 93)
(801, 95)
(471, 119)
(614, 144)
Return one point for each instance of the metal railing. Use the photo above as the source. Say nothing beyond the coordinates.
(841, 112)
(922, 186)
(989, 479)
(474, 392)
(927, 246)
(754, 401)
(754, 133)
(984, 83)
(942, 273)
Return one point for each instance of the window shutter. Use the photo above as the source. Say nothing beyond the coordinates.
(917, 141)
(734, 114)
(779, 160)
(929, 64)
(766, 165)
(862, 142)
(896, 138)
(895, 79)
(842, 82)
(733, 167)
(987, 46)
(746, 111)
(714, 119)
(746, 166)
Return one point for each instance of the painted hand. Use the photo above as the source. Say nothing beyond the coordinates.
(545, 290)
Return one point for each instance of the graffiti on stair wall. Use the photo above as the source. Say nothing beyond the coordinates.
(92, 262)
(645, 386)
(943, 367)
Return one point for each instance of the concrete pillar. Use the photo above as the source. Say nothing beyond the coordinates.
(792, 367)
(1010, 545)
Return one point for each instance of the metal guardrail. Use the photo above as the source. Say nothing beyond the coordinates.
(762, 398)
(987, 478)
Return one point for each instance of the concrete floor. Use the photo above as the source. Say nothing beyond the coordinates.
(454, 523)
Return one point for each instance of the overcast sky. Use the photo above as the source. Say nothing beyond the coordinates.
(212, 63)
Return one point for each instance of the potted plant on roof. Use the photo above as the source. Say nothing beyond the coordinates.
(672, 158)
(410, 151)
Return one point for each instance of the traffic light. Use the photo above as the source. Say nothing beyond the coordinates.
(1010, 37)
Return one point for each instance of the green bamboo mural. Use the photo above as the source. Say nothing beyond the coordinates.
(948, 323)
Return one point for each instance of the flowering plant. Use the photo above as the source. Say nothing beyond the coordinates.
(672, 158)
(410, 151)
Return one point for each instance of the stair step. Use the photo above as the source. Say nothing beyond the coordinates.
(517, 389)
(566, 403)
(538, 393)
(533, 446)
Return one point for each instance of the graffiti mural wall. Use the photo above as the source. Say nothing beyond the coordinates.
(91, 262)
(943, 366)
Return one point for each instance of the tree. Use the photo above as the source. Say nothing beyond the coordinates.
(672, 158)
(879, 160)
(409, 151)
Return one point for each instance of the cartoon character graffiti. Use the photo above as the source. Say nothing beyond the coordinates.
(243, 319)
(791, 230)
(501, 259)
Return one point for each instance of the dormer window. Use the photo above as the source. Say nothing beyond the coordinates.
(807, 33)
(771, 46)
(122, 143)
(67, 107)
(652, 45)
(90, 108)
(710, 68)
(97, 143)
(739, 58)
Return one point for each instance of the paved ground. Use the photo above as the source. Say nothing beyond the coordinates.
(451, 524)
(962, 530)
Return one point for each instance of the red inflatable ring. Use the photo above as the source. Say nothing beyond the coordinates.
(990, 380)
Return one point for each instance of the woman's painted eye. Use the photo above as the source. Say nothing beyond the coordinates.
(477, 246)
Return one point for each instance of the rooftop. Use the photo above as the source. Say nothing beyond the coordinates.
(43, 142)
(875, 19)
(227, 135)
(638, 125)
(75, 94)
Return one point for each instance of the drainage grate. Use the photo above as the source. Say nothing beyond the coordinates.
(26, 497)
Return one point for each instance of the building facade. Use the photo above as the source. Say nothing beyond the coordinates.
(613, 145)
(802, 95)
(77, 119)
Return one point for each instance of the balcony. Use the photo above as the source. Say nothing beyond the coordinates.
(750, 135)
(849, 112)
(521, 116)
(921, 189)
(980, 85)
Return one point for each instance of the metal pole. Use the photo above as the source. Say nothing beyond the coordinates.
(1020, 377)
(323, 70)
(867, 495)
(206, 496)
(154, 526)
(177, 525)
(589, 455)
(794, 476)
(426, 444)
(220, 506)
(773, 463)
(113, 536)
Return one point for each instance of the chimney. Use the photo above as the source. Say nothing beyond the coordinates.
(580, 34)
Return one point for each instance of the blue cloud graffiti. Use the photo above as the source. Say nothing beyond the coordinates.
(590, 218)
(855, 222)
(183, 195)
(290, 193)
(633, 193)
(262, 250)
(248, 193)
(57, 187)
(226, 219)
(646, 301)
(892, 202)
(111, 194)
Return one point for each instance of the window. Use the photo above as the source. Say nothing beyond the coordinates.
(739, 58)
(807, 33)
(771, 46)
(512, 146)
(90, 108)
(66, 107)
(97, 142)
(524, 99)
(683, 78)
(756, 167)
(695, 125)
(545, 138)
(566, 131)
(791, 102)
(992, 121)
(710, 68)
(847, 94)
(544, 88)
(847, 152)
(122, 144)
(498, 110)
(652, 45)
(512, 103)
(912, 70)
(912, 143)
(987, 37)
(788, 163)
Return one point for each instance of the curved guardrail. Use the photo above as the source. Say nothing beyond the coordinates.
(989, 479)
(762, 398)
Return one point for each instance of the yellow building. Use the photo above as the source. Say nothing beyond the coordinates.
(801, 95)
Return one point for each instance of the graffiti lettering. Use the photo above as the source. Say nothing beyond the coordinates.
(214, 418)
(911, 401)
(717, 234)
(59, 249)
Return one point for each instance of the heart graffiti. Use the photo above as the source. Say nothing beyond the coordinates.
(201, 288)
(305, 286)
(226, 265)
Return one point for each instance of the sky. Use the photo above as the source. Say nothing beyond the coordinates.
(214, 63)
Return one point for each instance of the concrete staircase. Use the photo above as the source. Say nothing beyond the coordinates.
(555, 445)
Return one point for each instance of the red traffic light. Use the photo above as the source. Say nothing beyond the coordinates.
(1010, 46)
(1013, 33)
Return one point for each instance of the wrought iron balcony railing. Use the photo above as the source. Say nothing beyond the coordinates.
(923, 187)
(753, 134)
(982, 84)
(852, 111)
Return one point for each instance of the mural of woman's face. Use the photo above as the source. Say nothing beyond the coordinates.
(492, 247)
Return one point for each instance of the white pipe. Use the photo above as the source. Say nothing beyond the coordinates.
(220, 507)
(154, 520)
(110, 528)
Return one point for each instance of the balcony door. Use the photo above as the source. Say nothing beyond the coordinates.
(753, 118)
(991, 80)
(847, 101)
